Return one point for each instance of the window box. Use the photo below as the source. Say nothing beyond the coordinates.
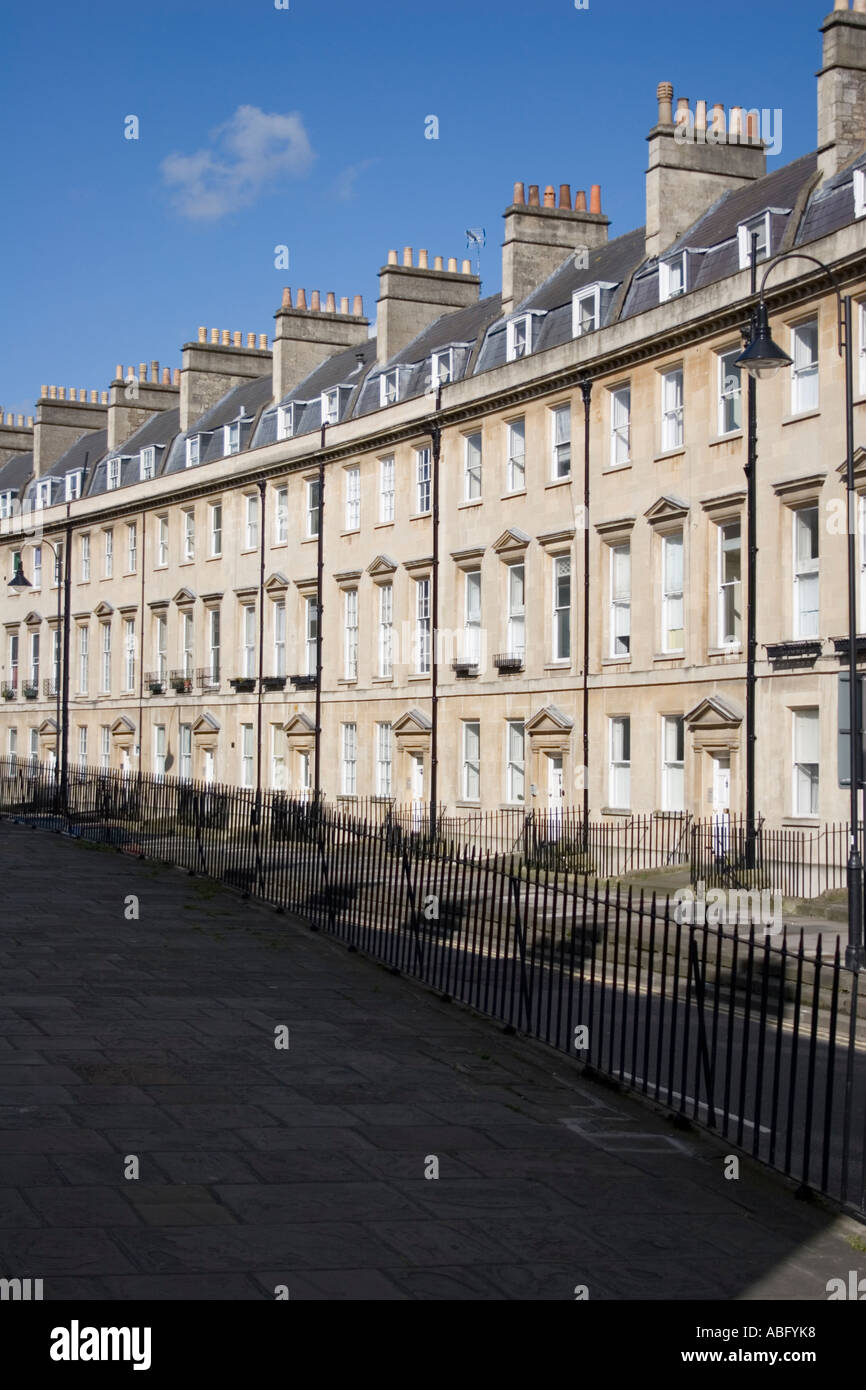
(464, 667)
(801, 652)
(180, 682)
(154, 683)
(507, 661)
(8, 691)
(49, 688)
(243, 685)
(273, 682)
(30, 692)
(207, 678)
(303, 682)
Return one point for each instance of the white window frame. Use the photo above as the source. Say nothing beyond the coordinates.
(472, 617)
(34, 659)
(281, 515)
(350, 635)
(620, 605)
(105, 747)
(437, 378)
(82, 745)
(161, 542)
(473, 456)
(129, 653)
(330, 405)
(862, 317)
(188, 534)
(232, 438)
(43, 494)
(248, 640)
(159, 751)
(278, 758)
(286, 421)
(105, 662)
(673, 595)
(673, 732)
(386, 489)
(560, 448)
(516, 608)
(805, 571)
(247, 756)
(84, 557)
(131, 547)
(112, 474)
(215, 529)
(805, 378)
(727, 392)
(349, 759)
(673, 277)
(518, 337)
(6, 504)
(806, 778)
(471, 760)
(561, 569)
(108, 553)
(280, 637)
(386, 631)
(761, 224)
(515, 762)
(384, 759)
(389, 387)
(422, 626)
(214, 639)
(193, 450)
(73, 484)
(619, 762)
(161, 646)
(251, 520)
(860, 192)
(37, 567)
(423, 480)
(725, 586)
(515, 469)
(673, 410)
(184, 743)
(187, 638)
(313, 509)
(311, 611)
(620, 433)
(352, 498)
(579, 324)
(147, 463)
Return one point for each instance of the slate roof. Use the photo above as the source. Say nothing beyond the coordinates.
(160, 429)
(248, 398)
(345, 368)
(16, 472)
(832, 206)
(85, 452)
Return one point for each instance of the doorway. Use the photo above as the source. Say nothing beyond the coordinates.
(721, 803)
(555, 794)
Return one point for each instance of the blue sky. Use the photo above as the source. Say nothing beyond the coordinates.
(305, 127)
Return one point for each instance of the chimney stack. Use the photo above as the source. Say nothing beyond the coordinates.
(411, 297)
(304, 337)
(539, 236)
(842, 88)
(690, 167)
(60, 421)
(15, 436)
(209, 369)
(133, 400)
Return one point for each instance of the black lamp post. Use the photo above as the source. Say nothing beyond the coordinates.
(17, 584)
(761, 359)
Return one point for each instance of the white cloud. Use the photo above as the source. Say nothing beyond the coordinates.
(251, 150)
(344, 184)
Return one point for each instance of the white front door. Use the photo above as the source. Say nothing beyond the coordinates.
(721, 802)
(304, 776)
(208, 766)
(555, 794)
(125, 762)
(416, 784)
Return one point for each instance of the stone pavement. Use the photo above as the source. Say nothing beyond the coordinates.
(154, 1040)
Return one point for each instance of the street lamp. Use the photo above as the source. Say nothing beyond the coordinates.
(17, 584)
(761, 359)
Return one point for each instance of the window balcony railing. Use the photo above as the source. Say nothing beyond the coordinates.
(180, 682)
(208, 678)
(155, 682)
(242, 685)
(30, 690)
(465, 666)
(273, 682)
(49, 687)
(303, 681)
(9, 690)
(508, 661)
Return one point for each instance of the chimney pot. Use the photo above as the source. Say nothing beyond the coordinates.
(214, 335)
(422, 260)
(519, 195)
(316, 302)
(7, 419)
(71, 394)
(684, 115)
(392, 257)
(840, 5)
(550, 196)
(438, 263)
(752, 128)
(358, 306)
(452, 265)
(166, 376)
(331, 303)
(466, 268)
(565, 196)
(154, 371)
(533, 195)
(175, 377)
(44, 390)
(580, 200)
(287, 298)
(202, 335)
(105, 398)
(595, 198)
(226, 338)
(700, 115)
(665, 95)
(302, 299)
(238, 339)
(21, 421)
(860, 6)
(407, 255)
(29, 421)
(94, 398)
(263, 341)
(52, 392)
(251, 340)
(118, 374)
(344, 304)
(736, 120)
(718, 118)
(61, 393)
(142, 371)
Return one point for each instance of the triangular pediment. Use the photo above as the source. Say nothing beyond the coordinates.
(184, 595)
(549, 720)
(48, 728)
(299, 724)
(859, 465)
(122, 726)
(206, 724)
(714, 713)
(33, 619)
(276, 583)
(512, 539)
(383, 564)
(667, 508)
(414, 721)
(103, 609)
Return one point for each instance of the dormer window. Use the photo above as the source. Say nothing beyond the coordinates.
(232, 438)
(113, 474)
(6, 504)
(43, 494)
(519, 338)
(147, 463)
(286, 422)
(586, 316)
(331, 407)
(73, 485)
(860, 192)
(389, 387)
(759, 227)
(672, 278)
(193, 450)
(442, 370)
